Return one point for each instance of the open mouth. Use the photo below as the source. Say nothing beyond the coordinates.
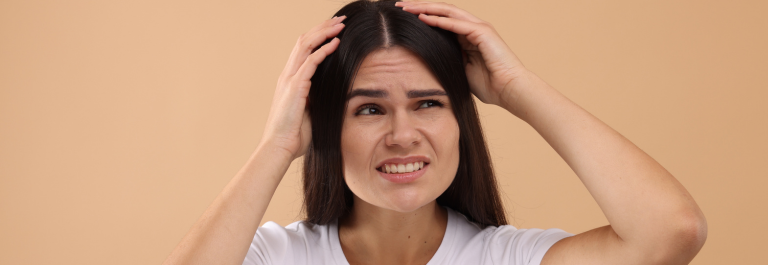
(402, 168)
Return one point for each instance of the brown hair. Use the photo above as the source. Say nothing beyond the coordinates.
(370, 26)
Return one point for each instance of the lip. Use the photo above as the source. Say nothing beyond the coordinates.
(404, 177)
(404, 160)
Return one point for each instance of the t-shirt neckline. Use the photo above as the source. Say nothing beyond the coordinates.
(440, 254)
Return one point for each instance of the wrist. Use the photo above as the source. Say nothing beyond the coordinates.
(269, 149)
(510, 99)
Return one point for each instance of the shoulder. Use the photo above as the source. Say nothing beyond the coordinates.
(296, 243)
(504, 244)
(296, 231)
(521, 246)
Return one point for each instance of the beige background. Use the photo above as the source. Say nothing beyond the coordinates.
(120, 121)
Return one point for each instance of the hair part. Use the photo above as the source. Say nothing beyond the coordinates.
(375, 25)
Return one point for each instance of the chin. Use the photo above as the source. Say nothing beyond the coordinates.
(406, 200)
(402, 198)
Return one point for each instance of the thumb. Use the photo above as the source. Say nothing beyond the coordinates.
(306, 134)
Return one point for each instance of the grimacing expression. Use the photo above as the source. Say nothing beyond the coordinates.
(388, 124)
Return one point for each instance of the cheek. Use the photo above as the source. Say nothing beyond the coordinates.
(357, 146)
(446, 149)
(446, 134)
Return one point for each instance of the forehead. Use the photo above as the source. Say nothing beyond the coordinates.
(394, 68)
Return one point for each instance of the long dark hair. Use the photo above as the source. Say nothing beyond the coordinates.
(375, 25)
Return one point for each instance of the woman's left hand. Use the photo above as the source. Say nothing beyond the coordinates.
(494, 72)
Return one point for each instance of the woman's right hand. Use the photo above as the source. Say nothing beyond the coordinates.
(288, 126)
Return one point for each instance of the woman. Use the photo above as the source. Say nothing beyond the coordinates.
(396, 170)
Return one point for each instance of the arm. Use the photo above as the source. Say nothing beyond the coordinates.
(224, 232)
(653, 219)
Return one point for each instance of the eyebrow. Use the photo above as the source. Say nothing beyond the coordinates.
(378, 93)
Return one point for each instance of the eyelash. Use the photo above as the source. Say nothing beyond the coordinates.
(436, 103)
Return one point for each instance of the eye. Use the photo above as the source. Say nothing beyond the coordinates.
(368, 109)
(430, 103)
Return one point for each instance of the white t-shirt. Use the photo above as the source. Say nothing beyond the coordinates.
(464, 242)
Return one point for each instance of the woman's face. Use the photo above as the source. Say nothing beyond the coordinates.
(398, 114)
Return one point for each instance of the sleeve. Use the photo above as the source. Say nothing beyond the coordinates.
(508, 245)
(270, 245)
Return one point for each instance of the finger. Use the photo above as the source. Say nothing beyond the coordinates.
(473, 31)
(309, 41)
(307, 46)
(300, 50)
(440, 9)
(307, 69)
(329, 22)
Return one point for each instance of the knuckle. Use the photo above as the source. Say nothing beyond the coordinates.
(315, 56)
(311, 58)
(295, 83)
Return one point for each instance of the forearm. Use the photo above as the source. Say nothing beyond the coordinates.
(643, 202)
(224, 232)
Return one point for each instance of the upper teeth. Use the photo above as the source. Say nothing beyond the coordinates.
(402, 168)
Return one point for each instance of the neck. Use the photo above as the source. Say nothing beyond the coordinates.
(370, 234)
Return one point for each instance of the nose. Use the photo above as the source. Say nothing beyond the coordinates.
(403, 132)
